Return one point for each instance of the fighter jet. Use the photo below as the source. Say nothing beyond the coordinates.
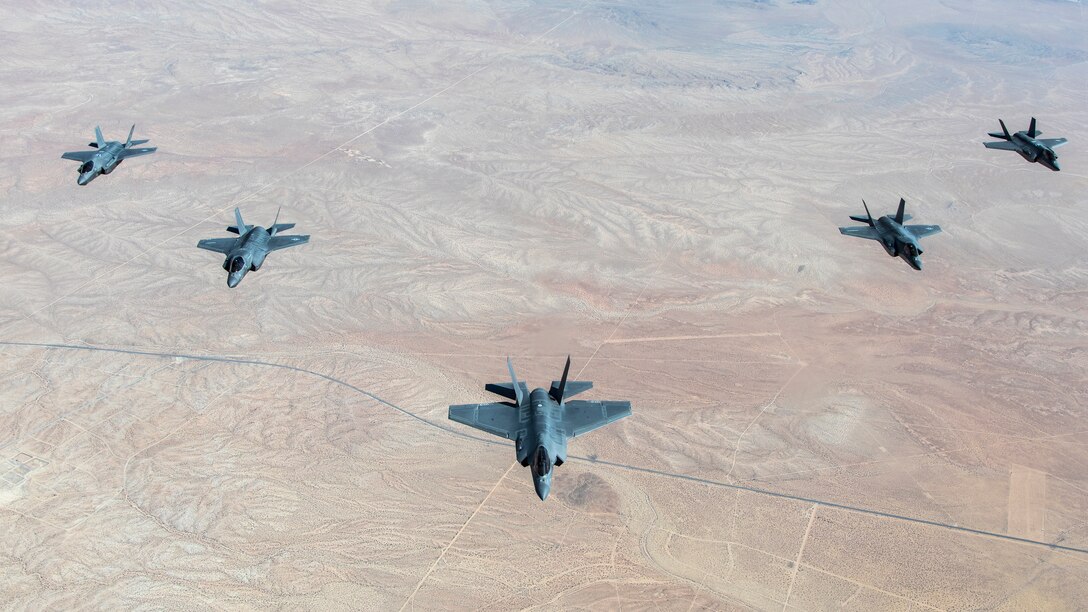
(899, 240)
(253, 244)
(540, 422)
(1031, 148)
(109, 155)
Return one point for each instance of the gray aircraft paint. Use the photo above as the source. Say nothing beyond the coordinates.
(541, 421)
(109, 155)
(897, 239)
(1028, 144)
(253, 244)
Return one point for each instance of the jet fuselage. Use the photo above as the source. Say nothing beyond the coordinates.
(1034, 151)
(544, 444)
(899, 242)
(103, 162)
(248, 254)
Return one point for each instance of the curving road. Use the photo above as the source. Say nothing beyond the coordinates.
(633, 468)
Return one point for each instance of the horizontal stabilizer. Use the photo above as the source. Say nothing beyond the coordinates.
(92, 144)
(506, 390)
(860, 219)
(574, 387)
(996, 135)
(138, 142)
(233, 229)
(280, 227)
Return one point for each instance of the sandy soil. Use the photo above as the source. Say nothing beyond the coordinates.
(651, 188)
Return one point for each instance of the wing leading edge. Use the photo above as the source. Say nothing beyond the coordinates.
(127, 153)
(501, 420)
(282, 242)
(219, 245)
(860, 232)
(921, 231)
(79, 156)
(1053, 143)
(581, 417)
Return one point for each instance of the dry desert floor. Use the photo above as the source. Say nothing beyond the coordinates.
(651, 187)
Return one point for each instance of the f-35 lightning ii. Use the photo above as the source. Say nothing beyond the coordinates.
(1028, 145)
(253, 244)
(898, 240)
(540, 422)
(109, 155)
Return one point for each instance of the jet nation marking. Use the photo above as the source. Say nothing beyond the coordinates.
(1036, 150)
(109, 155)
(540, 422)
(253, 244)
(898, 240)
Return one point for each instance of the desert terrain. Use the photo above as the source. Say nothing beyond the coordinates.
(653, 188)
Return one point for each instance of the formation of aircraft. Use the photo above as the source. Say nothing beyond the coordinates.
(539, 422)
(108, 154)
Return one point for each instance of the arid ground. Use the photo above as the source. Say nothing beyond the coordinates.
(651, 187)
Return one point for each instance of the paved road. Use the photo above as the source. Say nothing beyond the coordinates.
(446, 428)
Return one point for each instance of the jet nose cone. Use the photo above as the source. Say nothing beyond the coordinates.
(83, 179)
(917, 263)
(232, 281)
(543, 487)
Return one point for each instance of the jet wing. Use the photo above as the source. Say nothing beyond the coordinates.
(863, 231)
(1003, 145)
(127, 153)
(921, 231)
(219, 245)
(1053, 143)
(581, 417)
(79, 156)
(501, 420)
(282, 242)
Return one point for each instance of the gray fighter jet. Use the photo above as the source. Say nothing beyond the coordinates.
(253, 244)
(540, 422)
(1031, 148)
(898, 240)
(109, 155)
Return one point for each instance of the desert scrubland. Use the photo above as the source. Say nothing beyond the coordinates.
(651, 187)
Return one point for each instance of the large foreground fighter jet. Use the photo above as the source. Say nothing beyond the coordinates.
(899, 240)
(109, 155)
(1031, 148)
(253, 244)
(540, 422)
